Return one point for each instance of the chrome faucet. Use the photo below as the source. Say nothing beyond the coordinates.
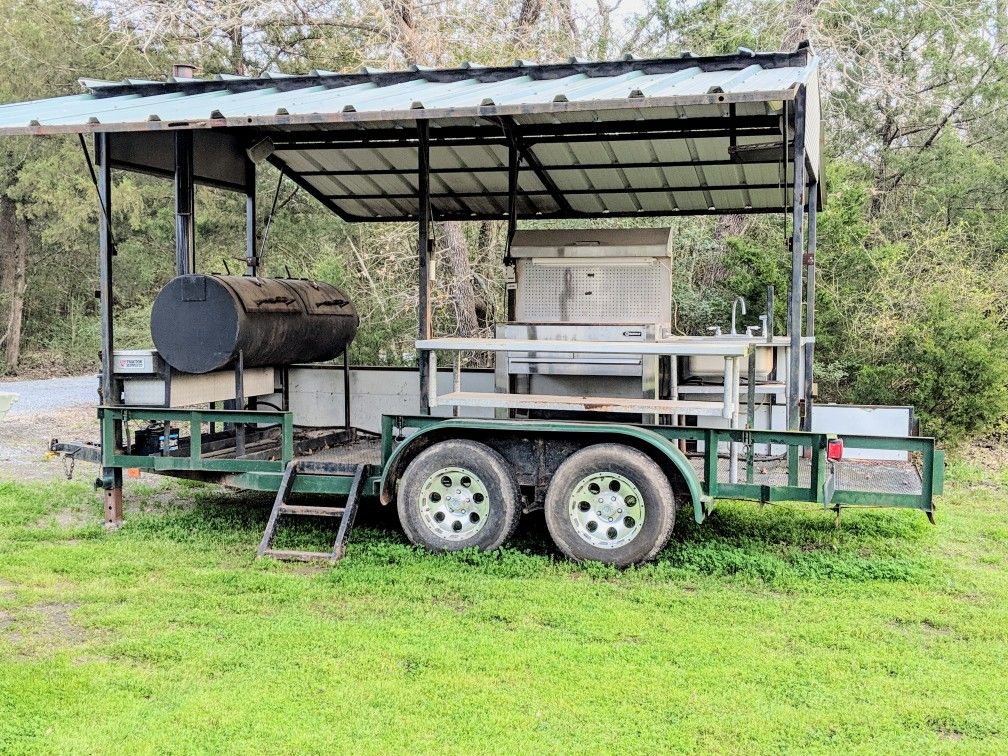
(738, 301)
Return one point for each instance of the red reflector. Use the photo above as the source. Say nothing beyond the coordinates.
(834, 449)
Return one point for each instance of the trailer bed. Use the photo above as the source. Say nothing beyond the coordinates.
(364, 451)
(862, 475)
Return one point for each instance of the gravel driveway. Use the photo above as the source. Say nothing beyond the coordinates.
(52, 394)
(61, 408)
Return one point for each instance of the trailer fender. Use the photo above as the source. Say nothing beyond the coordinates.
(661, 449)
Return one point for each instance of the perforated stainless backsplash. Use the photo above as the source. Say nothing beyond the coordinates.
(636, 290)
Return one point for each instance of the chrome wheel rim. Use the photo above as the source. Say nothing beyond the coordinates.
(454, 503)
(606, 510)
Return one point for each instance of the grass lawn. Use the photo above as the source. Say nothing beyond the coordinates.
(762, 630)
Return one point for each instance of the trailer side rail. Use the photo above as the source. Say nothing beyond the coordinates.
(193, 453)
(800, 472)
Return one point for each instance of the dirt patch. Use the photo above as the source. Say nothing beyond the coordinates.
(935, 628)
(985, 452)
(68, 518)
(169, 497)
(57, 628)
(24, 444)
(952, 735)
(42, 628)
(926, 627)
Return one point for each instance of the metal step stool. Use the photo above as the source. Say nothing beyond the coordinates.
(346, 513)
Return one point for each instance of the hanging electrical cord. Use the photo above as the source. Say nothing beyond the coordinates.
(269, 219)
(94, 181)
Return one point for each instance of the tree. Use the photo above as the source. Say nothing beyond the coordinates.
(44, 46)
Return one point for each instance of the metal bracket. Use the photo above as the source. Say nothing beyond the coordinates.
(524, 153)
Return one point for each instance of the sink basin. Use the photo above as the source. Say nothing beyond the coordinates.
(707, 368)
(7, 401)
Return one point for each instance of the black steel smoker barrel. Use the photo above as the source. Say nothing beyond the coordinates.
(200, 323)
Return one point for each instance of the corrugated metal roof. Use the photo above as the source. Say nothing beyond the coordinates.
(630, 137)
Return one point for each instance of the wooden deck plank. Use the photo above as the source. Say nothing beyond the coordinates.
(690, 347)
(580, 403)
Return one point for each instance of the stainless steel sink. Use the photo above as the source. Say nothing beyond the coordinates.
(705, 367)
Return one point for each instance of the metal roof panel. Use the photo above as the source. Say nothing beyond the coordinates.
(631, 136)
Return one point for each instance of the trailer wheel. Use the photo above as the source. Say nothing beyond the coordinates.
(456, 495)
(610, 503)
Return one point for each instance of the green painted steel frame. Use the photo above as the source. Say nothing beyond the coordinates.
(426, 426)
(245, 474)
(265, 475)
(110, 417)
(326, 485)
(704, 490)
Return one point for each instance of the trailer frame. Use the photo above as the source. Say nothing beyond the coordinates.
(699, 485)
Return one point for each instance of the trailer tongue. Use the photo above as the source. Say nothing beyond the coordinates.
(598, 411)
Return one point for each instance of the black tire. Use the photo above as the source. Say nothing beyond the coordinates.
(487, 471)
(638, 541)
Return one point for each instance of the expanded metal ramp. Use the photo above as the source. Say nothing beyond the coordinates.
(366, 451)
(869, 476)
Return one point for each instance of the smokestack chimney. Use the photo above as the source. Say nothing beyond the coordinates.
(183, 70)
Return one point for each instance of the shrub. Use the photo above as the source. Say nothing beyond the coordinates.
(951, 363)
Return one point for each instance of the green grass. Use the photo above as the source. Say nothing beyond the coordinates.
(762, 630)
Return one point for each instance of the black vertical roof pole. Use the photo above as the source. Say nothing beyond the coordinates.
(185, 230)
(512, 225)
(251, 251)
(105, 252)
(512, 198)
(425, 330)
(797, 248)
(810, 296)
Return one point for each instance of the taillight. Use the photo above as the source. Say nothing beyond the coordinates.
(834, 449)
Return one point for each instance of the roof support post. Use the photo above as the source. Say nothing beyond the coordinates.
(810, 295)
(185, 229)
(512, 198)
(106, 249)
(510, 290)
(251, 250)
(111, 477)
(424, 256)
(797, 247)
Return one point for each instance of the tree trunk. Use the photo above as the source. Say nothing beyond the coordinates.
(800, 23)
(461, 287)
(414, 46)
(528, 15)
(237, 35)
(729, 226)
(14, 237)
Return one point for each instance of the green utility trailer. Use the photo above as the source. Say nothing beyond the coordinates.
(374, 468)
(598, 410)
